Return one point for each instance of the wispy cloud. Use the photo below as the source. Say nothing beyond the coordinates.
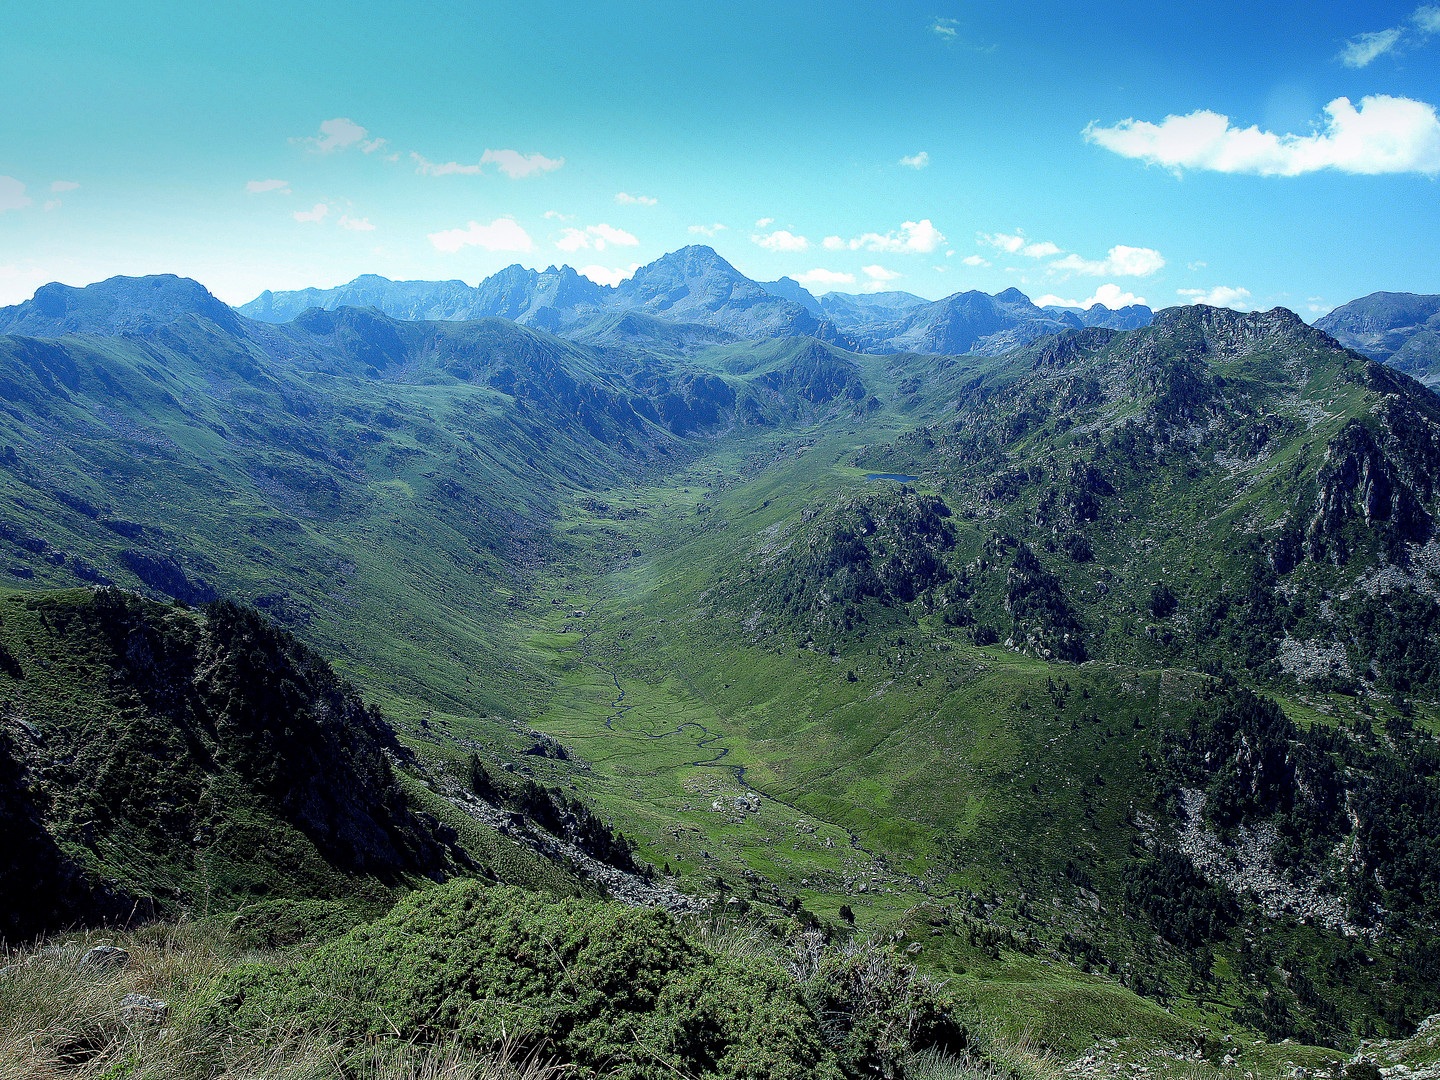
(425, 167)
(879, 278)
(821, 278)
(12, 194)
(1018, 243)
(624, 198)
(708, 230)
(1382, 135)
(913, 237)
(947, 29)
(594, 237)
(502, 234)
(259, 187)
(338, 134)
(52, 204)
(1112, 296)
(915, 161)
(1363, 49)
(63, 185)
(604, 275)
(517, 165)
(556, 215)
(975, 260)
(780, 240)
(315, 215)
(764, 223)
(1120, 261)
(356, 224)
(1220, 296)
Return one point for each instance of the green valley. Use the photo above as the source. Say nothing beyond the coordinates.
(1107, 731)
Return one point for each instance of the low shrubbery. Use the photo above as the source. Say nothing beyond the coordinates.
(615, 991)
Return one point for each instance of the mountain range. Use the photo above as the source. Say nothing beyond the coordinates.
(1086, 661)
(696, 286)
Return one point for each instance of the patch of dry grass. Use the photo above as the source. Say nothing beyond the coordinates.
(60, 1020)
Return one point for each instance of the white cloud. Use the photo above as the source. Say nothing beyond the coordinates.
(258, 187)
(608, 234)
(626, 199)
(1112, 296)
(425, 167)
(833, 243)
(12, 194)
(764, 223)
(502, 234)
(1019, 242)
(556, 215)
(916, 161)
(517, 165)
(63, 185)
(975, 260)
(52, 204)
(371, 145)
(945, 28)
(1424, 23)
(781, 240)
(1004, 241)
(1383, 135)
(1122, 261)
(1359, 51)
(315, 215)
(708, 230)
(879, 277)
(594, 236)
(356, 224)
(913, 237)
(335, 135)
(1220, 296)
(1196, 265)
(603, 275)
(822, 277)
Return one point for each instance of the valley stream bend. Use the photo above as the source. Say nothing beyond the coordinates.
(706, 742)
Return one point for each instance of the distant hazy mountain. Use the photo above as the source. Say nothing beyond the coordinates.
(865, 310)
(1131, 317)
(118, 305)
(692, 285)
(1399, 329)
(788, 288)
(695, 284)
(971, 322)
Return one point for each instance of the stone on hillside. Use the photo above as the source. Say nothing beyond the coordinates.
(139, 1009)
(105, 957)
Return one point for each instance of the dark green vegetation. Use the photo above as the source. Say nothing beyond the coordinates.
(163, 759)
(1120, 717)
(615, 990)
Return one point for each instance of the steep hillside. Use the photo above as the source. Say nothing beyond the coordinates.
(158, 760)
(1399, 329)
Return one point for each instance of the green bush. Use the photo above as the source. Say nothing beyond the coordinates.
(614, 990)
(279, 924)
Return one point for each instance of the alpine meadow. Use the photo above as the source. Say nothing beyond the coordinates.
(752, 544)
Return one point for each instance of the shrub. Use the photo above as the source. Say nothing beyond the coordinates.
(613, 990)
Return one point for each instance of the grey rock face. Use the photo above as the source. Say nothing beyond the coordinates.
(139, 1009)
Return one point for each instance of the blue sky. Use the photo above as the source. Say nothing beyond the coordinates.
(1075, 151)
